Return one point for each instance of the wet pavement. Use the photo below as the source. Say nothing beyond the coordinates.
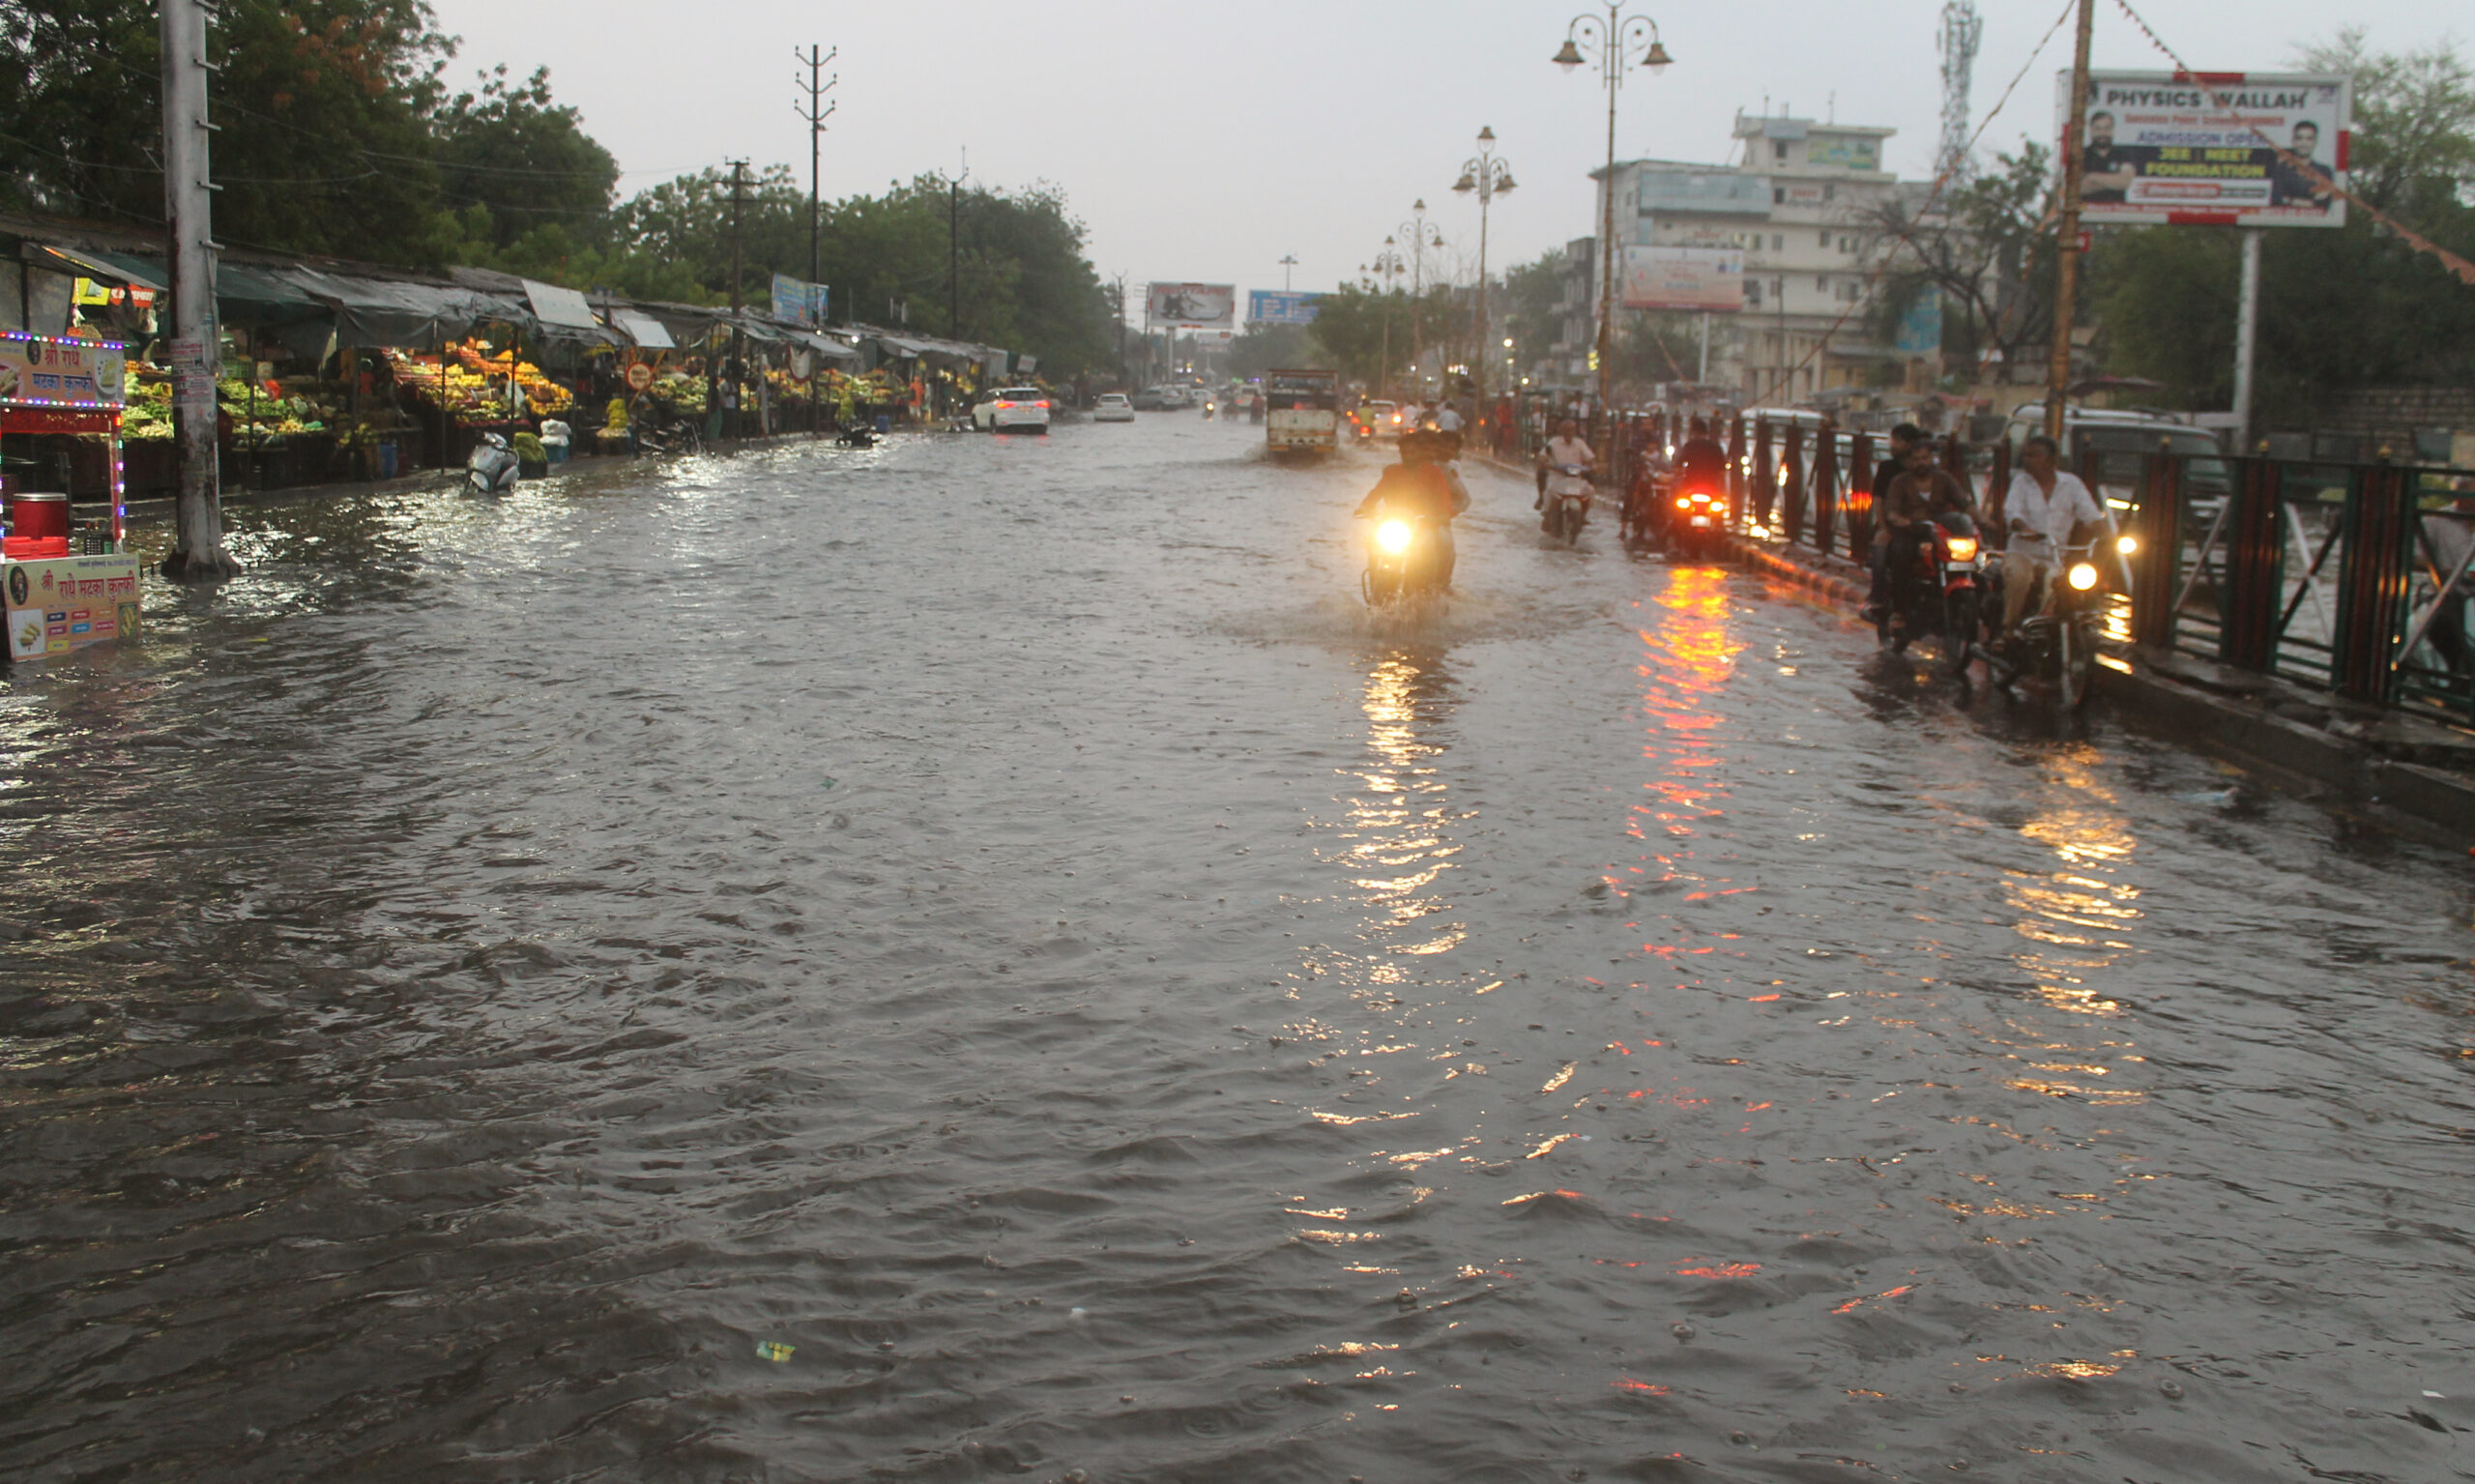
(978, 958)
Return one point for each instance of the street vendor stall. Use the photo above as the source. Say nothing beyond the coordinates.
(61, 588)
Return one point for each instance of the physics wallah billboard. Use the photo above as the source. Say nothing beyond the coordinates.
(2211, 149)
(1191, 306)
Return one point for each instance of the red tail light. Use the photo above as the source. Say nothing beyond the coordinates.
(1042, 406)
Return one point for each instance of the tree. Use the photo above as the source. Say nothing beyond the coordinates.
(1261, 348)
(1357, 327)
(524, 159)
(1988, 249)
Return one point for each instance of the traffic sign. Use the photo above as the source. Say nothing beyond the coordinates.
(640, 375)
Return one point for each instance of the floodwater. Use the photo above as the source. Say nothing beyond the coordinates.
(979, 959)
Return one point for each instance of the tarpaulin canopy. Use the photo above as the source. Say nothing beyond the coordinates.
(827, 345)
(378, 313)
(642, 328)
(115, 266)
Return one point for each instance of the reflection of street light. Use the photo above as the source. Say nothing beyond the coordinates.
(1388, 266)
(1485, 174)
(1614, 40)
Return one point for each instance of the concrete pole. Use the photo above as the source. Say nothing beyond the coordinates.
(1615, 64)
(2066, 278)
(2246, 340)
(197, 545)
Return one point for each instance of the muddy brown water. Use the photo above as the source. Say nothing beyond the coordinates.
(979, 959)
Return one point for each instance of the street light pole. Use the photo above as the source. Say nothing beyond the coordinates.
(1417, 230)
(1487, 174)
(1614, 40)
(1288, 261)
(1387, 267)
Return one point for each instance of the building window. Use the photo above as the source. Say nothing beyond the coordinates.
(1778, 195)
(1822, 284)
(1778, 149)
(1830, 190)
(1753, 292)
(1778, 242)
(1826, 240)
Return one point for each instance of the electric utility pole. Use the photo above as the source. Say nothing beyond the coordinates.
(816, 118)
(197, 543)
(954, 248)
(2066, 265)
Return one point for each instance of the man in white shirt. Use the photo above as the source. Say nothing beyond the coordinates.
(1446, 421)
(1567, 446)
(2044, 507)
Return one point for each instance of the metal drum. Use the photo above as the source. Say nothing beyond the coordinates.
(39, 516)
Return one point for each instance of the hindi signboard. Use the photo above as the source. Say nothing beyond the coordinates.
(59, 371)
(59, 604)
(1704, 278)
(1280, 307)
(1191, 306)
(2211, 149)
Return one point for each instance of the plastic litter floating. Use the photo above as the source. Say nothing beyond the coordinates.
(774, 1350)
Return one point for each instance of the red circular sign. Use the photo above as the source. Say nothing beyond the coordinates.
(640, 375)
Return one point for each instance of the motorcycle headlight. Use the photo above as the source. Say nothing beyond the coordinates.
(2127, 545)
(2083, 577)
(1393, 537)
(1964, 548)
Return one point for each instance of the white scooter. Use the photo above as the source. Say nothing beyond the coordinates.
(492, 468)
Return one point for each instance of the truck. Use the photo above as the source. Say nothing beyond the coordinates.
(1303, 411)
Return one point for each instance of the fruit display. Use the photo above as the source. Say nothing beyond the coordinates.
(471, 382)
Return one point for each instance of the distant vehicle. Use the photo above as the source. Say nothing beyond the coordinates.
(1014, 407)
(1149, 399)
(1304, 411)
(1113, 407)
(1378, 420)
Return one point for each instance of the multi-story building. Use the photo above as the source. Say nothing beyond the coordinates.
(1802, 201)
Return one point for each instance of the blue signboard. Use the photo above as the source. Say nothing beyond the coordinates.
(1920, 328)
(1279, 306)
(799, 302)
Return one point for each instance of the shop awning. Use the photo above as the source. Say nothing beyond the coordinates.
(136, 272)
(383, 313)
(827, 345)
(564, 307)
(642, 328)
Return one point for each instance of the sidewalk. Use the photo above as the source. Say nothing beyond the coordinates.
(2417, 774)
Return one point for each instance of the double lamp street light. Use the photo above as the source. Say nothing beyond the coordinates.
(1614, 42)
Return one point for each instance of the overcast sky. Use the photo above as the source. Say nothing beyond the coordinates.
(1205, 142)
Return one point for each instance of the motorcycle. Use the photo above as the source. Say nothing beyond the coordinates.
(1404, 559)
(1568, 501)
(1209, 408)
(1700, 522)
(492, 468)
(1943, 593)
(2056, 642)
(677, 435)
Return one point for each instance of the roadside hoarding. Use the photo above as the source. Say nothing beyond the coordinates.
(1272, 306)
(1705, 279)
(59, 371)
(1191, 306)
(797, 302)
(2210, 149)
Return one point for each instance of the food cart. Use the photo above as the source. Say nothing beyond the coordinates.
(62, 589)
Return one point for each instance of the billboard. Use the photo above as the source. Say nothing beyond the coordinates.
(2212, 149)
(797, 302)
(1920, 328)
(1268, 306)
(1707, 278)
(58, 371)
(1191, 306)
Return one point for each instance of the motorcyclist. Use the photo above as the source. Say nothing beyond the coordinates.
(1915, 495)
(2045, 507)
(1424, 487)
(1701, 460)
(1905, 439)
(1566, 446)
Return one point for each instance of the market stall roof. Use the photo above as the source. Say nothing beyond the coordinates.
(376, 313)
(119, 268)
(827, 345)
(642, 328)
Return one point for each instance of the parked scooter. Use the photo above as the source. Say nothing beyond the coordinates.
(1568, 501)
(492, 468)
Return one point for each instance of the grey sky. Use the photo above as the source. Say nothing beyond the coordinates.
(1204, 142)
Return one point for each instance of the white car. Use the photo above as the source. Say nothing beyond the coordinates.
(1010, 407)
(1113, 407)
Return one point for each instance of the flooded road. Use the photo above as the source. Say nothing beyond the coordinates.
(977, 959)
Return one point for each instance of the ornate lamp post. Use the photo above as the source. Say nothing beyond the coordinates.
(1387, 267)
(1487, 174)
(1422, 235)
(1612, 41)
